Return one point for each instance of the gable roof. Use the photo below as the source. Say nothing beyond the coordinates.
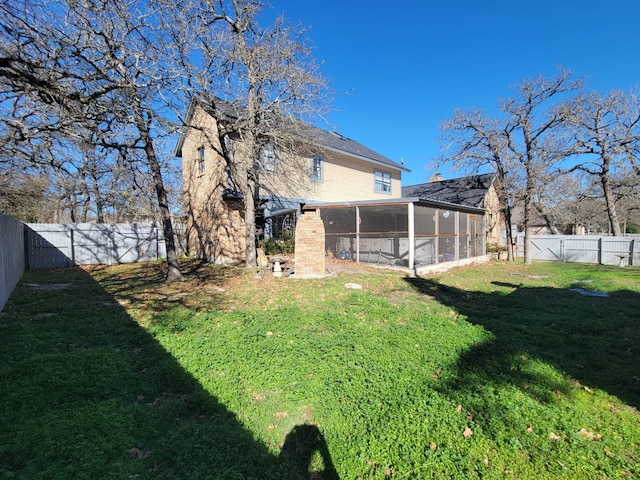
(332, 141)
(469, 191)
(336, 142)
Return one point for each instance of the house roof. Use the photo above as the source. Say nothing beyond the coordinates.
(310, 134)
(338, 143)
(469, 191)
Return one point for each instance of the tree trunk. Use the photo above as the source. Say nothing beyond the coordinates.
(503, 198)
(611, 205)
(509, 232)
(527, 230)
(173, 268)
(250, 223)
(98, 201)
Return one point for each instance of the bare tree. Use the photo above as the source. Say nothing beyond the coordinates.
(606, 131)
(475, 141)
(521, 146)
(22, 194)
(106, 65)
(272, 81)
(121, 68)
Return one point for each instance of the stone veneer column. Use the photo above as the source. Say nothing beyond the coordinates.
(310, 254)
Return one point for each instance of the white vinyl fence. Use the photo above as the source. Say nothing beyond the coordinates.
(61, 245)
(605, 250)
(11, 255)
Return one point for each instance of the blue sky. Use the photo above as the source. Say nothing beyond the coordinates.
(400, 68)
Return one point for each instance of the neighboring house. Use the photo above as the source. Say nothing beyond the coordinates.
(324, 166)
(543, 224)
(473, 191)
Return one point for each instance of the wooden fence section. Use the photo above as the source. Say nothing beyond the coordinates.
(12, 262)
(61, 245)
(605, 250)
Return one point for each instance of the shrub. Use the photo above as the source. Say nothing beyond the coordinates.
(274, 246)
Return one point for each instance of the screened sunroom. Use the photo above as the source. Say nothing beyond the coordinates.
(408, 232)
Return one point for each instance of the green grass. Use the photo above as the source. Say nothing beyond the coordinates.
(495, 371)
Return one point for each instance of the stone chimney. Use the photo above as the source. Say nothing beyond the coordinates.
(310, 261)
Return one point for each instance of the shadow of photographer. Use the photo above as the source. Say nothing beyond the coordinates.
(305, 451)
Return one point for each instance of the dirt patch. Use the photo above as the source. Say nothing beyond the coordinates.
(347, 266)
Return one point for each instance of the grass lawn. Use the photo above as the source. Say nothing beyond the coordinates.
(493, 371)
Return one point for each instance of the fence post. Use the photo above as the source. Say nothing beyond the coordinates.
(71, 246)
(631, 248)
(26, 236)
(600, 251)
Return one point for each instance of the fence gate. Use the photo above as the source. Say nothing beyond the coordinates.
(606, 250)
(547, 248)
(50, 247)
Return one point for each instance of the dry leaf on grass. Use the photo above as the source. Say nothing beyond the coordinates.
(467, 432)
(553, 436)
(590, 435)
(280, 415)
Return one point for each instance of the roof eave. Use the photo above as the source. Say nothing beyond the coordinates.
(391, 201)
(183, 131)
(361, 157)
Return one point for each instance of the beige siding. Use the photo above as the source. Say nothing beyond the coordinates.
(345, 179)
(348, 179)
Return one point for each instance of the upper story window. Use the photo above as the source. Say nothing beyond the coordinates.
(200, 160)
(268, 158)
(381, 181)
(317, 169)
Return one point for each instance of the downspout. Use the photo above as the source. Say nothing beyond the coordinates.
(357, 234)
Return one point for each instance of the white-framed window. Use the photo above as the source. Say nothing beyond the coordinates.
(317, 168)
(200, 161)
(268, 158)
(381, 181)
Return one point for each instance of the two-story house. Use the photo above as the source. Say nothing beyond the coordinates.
(322, 166)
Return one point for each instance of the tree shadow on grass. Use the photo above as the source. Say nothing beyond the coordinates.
(593, 340)
(144, 285)
(86, 393)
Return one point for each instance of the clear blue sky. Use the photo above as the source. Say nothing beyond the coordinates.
(407, 65)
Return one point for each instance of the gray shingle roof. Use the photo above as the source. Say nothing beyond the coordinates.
(469, 191)
(340, 143)
(318, 137)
